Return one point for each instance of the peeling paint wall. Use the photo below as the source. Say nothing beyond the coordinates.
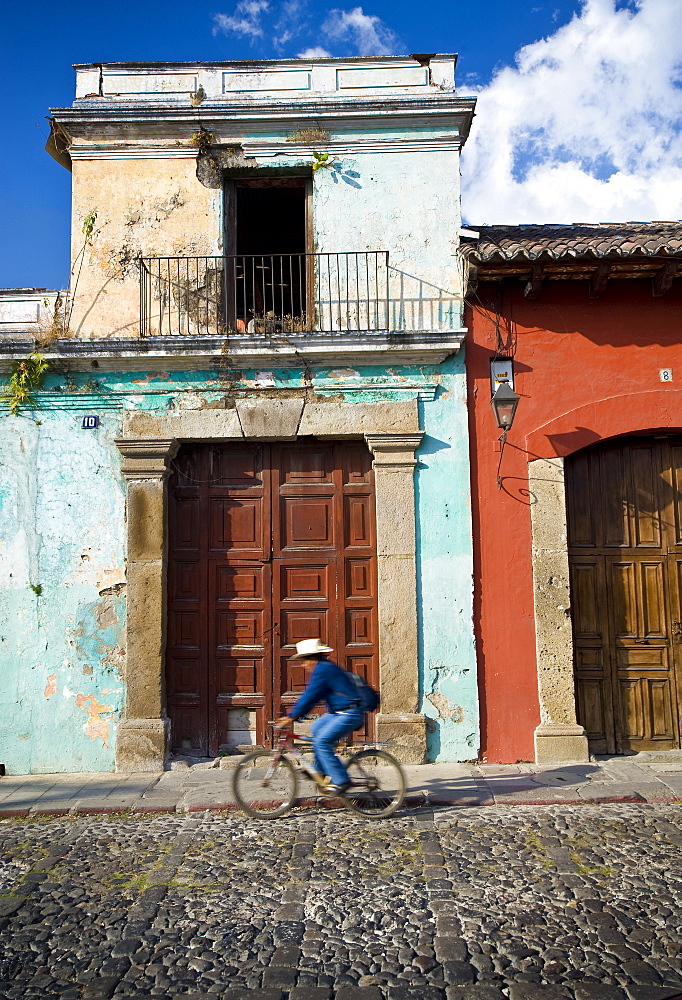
(444, 573)
(62, 525)
(62, 593)
(148, 207)
(407, 204)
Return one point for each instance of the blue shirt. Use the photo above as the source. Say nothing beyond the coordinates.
(330, 684)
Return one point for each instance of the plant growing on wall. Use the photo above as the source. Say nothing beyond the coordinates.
(88, 230)
(309, 136)
(202, 139)
(26, 376)
(56, 325)
(321, 160)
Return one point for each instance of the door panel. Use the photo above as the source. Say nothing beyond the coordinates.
(268, 545)
(625, 495)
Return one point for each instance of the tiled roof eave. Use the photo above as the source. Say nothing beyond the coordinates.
(550, 255)
(546, 243)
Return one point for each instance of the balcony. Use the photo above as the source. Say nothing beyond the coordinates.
(243, 312)
(264, 294)
(281, 295)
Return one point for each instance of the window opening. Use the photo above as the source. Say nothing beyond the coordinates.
(268, 271)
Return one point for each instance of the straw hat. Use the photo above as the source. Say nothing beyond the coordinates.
(310, 647)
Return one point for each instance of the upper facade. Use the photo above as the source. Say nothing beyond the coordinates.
(273, 203)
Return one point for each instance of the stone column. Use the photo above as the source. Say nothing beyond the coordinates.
(142, 735)
(558, 737)
(398, 722)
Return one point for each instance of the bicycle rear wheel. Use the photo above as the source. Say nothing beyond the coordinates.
(378, 783)
(262, 787)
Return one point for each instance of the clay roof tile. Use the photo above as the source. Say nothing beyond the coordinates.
(552, 242)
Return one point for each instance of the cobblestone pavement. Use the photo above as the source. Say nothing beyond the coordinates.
(555, 903)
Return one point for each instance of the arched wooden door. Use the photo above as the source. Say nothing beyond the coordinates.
(624, 505)
(268, 544)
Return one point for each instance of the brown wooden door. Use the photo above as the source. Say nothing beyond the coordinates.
(625, 555)
(268, 544)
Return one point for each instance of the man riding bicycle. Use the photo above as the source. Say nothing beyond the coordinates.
(330, 684)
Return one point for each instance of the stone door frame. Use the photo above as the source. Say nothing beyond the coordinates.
(149, 443)
(559, 737)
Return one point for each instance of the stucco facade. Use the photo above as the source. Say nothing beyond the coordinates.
(587, 316)
(83, 514)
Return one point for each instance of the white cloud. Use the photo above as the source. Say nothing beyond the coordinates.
(289, 24)
(366, 32)
(316, 52)
(246, 19)
(587, 126)
(278, 25)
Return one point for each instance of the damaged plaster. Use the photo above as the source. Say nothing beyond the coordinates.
(62, 485)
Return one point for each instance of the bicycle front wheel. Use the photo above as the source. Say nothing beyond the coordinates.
(378, 783)
(263, 787)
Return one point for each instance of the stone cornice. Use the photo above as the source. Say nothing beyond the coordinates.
(243, 351)
(265, 150)
(108, 118)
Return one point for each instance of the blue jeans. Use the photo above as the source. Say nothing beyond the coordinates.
(326, 733)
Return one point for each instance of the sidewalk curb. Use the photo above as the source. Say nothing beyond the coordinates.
(412, 803)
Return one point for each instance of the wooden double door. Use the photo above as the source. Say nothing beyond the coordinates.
(624, 501)
(268, 544)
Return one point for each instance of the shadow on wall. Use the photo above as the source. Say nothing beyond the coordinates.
(565, 444)
(430, 446)
(624, 314)
(433, 741)
(416, 304)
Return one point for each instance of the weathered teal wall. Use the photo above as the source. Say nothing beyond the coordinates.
(408, 204)
(445, 572)
(62, 532)
(62, 583)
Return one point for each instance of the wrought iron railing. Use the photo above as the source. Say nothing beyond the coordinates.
(264, 294)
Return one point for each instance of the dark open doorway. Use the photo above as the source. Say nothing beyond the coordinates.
(267, 263)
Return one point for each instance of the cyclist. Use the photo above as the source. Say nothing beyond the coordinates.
(332, 685)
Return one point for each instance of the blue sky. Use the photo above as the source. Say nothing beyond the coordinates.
(560, 101)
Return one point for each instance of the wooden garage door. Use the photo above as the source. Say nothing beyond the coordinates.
(625, 552)
(268, 544)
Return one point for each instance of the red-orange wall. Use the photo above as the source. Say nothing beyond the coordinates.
(586, 369)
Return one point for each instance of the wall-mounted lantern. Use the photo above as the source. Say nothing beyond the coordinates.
(504, 404)
(504, 400)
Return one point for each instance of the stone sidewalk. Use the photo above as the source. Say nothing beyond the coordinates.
(654, 777)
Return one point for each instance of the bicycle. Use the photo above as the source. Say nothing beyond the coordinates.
(265, 783)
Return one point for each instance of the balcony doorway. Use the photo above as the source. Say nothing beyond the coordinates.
(268, 266)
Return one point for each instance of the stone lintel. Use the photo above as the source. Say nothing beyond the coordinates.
(184, 425)
(328, 417)
(270, 419)
(557, 743)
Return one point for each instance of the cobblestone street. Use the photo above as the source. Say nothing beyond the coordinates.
(553, 903)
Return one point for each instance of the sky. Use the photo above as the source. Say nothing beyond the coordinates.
(579, 115)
